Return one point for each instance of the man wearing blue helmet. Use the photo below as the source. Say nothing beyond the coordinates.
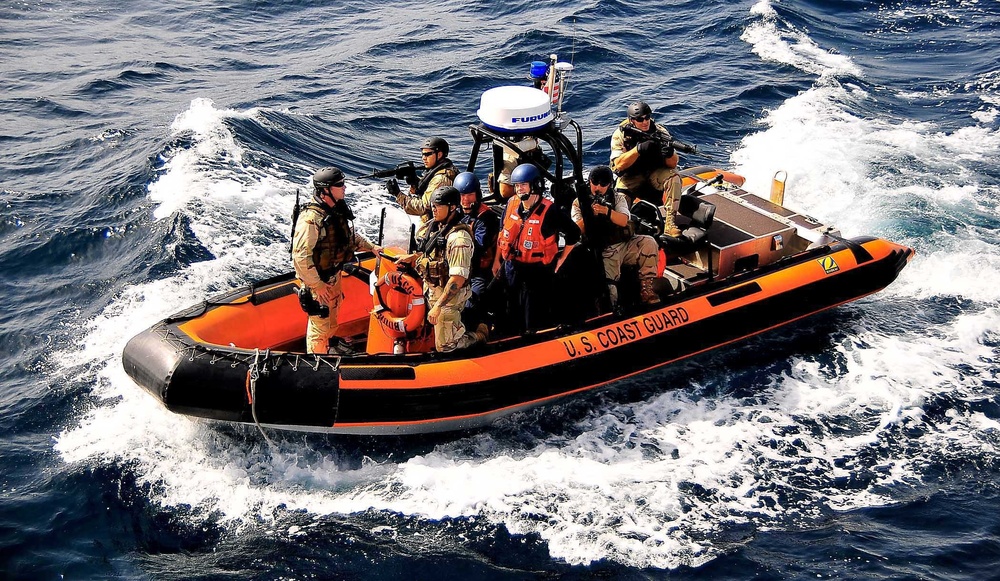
(485, 225)
(528, 246)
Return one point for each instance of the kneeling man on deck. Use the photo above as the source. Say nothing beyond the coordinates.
(445, 262)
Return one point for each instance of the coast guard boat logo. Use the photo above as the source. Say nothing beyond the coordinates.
(829, 264)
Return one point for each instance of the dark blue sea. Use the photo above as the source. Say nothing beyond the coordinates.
(149, 156)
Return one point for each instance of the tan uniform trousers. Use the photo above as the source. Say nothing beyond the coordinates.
(664, 180)
(638, 251)
(449, 332)
(320, 330)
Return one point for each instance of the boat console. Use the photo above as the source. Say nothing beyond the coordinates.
(747, 232)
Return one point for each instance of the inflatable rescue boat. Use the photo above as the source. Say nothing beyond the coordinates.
(743, 265)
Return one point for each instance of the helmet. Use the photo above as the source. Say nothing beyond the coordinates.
(528, 173)
(525, 173)
(446, 196)
(437, 144)
(327, 176)
(638, 109)
(601, 176)
(467, 182)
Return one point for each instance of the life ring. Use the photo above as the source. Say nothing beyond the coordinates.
(402, 294)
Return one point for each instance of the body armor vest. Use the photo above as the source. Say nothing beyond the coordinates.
(333, 248)
(603, 232)
(436, 251)
(643, 165)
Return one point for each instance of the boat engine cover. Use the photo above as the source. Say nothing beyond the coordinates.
(515, 109)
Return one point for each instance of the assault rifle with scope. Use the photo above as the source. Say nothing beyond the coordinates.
(662, 141)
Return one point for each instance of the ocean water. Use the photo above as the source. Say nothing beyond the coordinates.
(150, 154)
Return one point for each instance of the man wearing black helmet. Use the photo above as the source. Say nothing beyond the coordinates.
(485, 225)
(439, 171)
(611, 233)
(323, 241)
(641, 161)
(445, 263)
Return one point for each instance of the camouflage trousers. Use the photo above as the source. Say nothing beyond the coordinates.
(450, 332)
(663, 180)
(638, 251)
(319, 330)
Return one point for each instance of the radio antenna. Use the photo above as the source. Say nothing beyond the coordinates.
(572, 52)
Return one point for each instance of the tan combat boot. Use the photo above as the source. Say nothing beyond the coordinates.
(646, 292)
(669, 226)
(482, 332)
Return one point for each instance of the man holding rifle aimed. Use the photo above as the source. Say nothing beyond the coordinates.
(642, 153)
(438, 171)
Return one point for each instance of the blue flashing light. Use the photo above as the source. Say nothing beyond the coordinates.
(538, 69)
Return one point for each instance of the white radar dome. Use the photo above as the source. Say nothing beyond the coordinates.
(515, 109)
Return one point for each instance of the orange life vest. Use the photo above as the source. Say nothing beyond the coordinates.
(522, 240)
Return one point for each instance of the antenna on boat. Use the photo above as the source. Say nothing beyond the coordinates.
(572, 52)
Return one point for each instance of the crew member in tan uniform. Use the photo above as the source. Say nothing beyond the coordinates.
(640, 160)
(439, 171)
(323, 241)
(445, 263)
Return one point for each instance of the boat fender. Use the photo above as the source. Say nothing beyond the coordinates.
(398, 326)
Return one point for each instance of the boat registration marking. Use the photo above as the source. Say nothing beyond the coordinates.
(828, 264)
(625, 332)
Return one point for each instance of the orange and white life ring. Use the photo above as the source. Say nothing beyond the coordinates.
(400, 307)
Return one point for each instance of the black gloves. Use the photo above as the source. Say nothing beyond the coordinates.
(393, 187)
(645, 147)
(666, 150)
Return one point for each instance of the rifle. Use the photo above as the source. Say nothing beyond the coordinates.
(406, 171)
(662, 141)
(607, 199)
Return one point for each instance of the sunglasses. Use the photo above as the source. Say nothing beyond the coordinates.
(427, 153)
(641, 118)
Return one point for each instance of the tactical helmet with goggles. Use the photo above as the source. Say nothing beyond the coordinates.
(639, 110)
(436, 144)
(328, 177)
(446, 196)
